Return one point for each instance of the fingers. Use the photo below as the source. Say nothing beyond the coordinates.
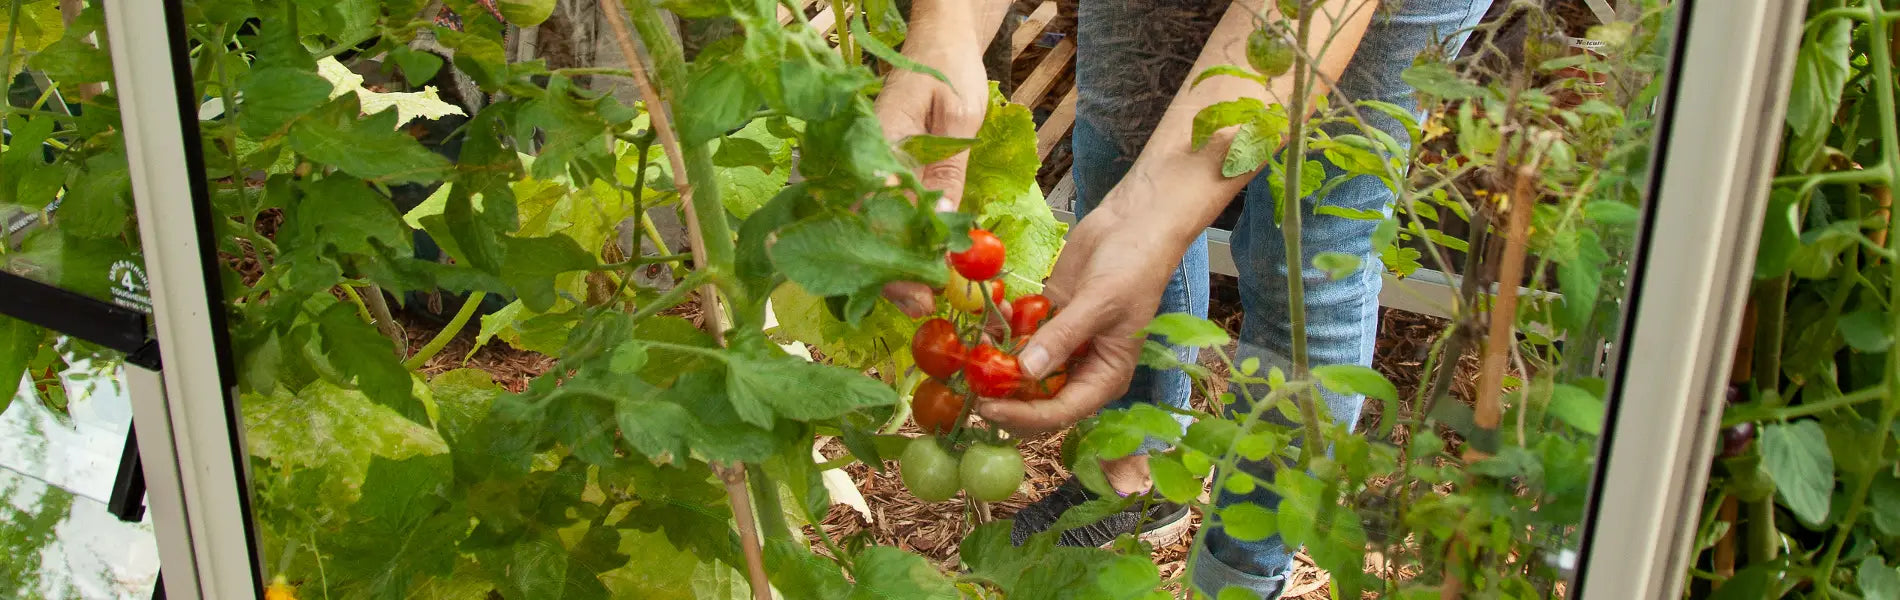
(1084, 318)
(915, 299)
(1091, 386)
(947, 176)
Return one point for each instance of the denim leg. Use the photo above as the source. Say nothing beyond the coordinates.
(1341, 315)
(1131, 56)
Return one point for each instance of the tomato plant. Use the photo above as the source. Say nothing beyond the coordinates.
(1028, 313)
(970, 296)
(937, 350)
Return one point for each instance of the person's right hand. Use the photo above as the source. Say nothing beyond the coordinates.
(1108, 281)
(914, 103)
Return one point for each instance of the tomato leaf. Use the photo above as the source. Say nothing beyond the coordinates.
(1437, 79)
(1183, 329)
(840, 255)
(884, 52)
(887, 572)
(1876, 579)
(403, 528)
(1866, 330)
(368, 360)
(789, 387)
(1577, 407)
(1796, 456)
(1820, 74)
(1222, 115)
(925, 148)
(1248, 522)
(19, 341)
(1173, 480)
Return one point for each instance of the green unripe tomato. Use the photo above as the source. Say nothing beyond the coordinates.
(928, 471)
(991, 473)
(1269, 53)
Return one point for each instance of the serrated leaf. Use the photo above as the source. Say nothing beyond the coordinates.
(1611, 213)
(275, 97)
(402, 529)
(1003, 162)
(1337, 265)
(332, 429)
(1796, 456)
(368, 360)
(722, 97)
(788, 387)
(1183, 329)
(370, 148)
(1355, 379)
(1248, 522)
(840, 255)
(887, 572)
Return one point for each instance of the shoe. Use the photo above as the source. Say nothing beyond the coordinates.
(1162, 520)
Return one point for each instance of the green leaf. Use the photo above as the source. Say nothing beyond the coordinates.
(1092, 511)
(1876, 579)
(418, 67)
(1437, 79)
(722, 97)
(1780, 235)
(1183, 329)
(542, 567)
(793, 388)
(1866, 330)
(887, 572)
(840, 255)
(1173, 480)
(1029, 229)
(1003, 162)
(1747, 584)
(19, 341)
(368, 360)
(462, 399)
(1883, 504)
(1820, 74)
(1248, 522)
(99, 204)
(1577, 407)
(333, 429)
(73, 59)
(814, 82)
(273, 98)
(533, 262)
(1355, 379)
(1337, 265)
(370, 148)
(1222, 115)
(1796, 456)
(576, 127)
(40, 24)
(1253, 145)
(1362, 214)
(925, 148)
(1611, 213)
(402, 529)
(890, 55)
(1229, 71)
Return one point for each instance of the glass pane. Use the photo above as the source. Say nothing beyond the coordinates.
(464, 268)
(66, 220)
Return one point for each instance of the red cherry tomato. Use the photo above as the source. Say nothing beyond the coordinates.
(937, 350)
(1028, 313)
(1045, 389)
(983, 260)
(935, 408)
(993, 373)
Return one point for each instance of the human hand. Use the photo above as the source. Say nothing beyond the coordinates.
(915, 103)
(1108, 281)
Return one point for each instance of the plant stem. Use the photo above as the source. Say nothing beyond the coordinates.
(1469, 288)
(1501, 334)
(706, 219)
(385, 321)
(734, 478)
(442, 338)
(1293, 208)
(1882, 59)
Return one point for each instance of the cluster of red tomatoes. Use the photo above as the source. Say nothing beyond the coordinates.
(963, 364)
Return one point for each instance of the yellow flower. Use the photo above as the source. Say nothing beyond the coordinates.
(280, 590)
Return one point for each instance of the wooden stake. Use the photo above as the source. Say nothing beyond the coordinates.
(1502, 332)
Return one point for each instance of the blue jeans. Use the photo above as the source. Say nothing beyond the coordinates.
(1132, 56)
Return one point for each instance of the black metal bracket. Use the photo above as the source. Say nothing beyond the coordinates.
(128, 488)
(81, 316)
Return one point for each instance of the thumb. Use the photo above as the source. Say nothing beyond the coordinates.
(1061, 335)
(947, 175)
